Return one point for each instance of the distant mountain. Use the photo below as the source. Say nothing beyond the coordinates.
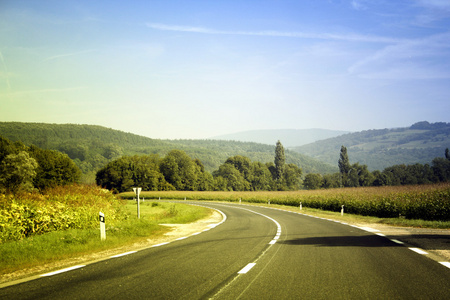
(288, 137)
(381, 148)
(92, 147)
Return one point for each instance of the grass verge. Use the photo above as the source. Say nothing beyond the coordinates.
(384, 205)
(58, 245)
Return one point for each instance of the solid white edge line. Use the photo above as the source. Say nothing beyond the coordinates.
(397, 241)
(445, 263)
(157, 245)
(247, 268)
(417, 250)
(123, 254)
(62, 271)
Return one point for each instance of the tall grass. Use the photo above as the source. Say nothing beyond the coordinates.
(426, 202)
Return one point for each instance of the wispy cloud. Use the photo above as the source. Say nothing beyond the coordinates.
(68, 54)
(351, 37)
(412, 59)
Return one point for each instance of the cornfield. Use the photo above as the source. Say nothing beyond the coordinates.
(426, 202)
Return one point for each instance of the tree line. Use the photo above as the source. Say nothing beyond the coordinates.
(25, 168)
(178, 171)
(355, 175)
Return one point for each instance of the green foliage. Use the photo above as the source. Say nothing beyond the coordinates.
(280, 161)
(54, 168)
(126, 172)
(17, 172)
(25, 168)
(60, 208)
(313, 181)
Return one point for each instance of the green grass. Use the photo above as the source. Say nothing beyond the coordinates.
(58, 245)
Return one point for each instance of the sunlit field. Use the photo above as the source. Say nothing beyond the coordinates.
(425, 202)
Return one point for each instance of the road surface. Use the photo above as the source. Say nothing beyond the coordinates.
(257, 253)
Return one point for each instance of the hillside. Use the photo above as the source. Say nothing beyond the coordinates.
(289, 137)
(381, 148)
(92, 147)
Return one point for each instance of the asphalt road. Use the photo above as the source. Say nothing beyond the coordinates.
(258, 253)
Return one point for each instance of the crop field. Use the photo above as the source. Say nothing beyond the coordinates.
(424, 202)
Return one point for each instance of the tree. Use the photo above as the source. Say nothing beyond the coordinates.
(292, 177)
(280, 161)
(234, 180)
(313, 181)
(344, 165)
(262, 177)
(179, 170)
(54, 168)
(17, 172)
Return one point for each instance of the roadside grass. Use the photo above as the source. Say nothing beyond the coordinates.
(58, 245)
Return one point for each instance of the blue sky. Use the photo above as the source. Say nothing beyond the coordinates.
(196, 69)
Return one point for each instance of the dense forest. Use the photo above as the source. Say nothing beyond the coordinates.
(177, 171)
(92, 147)
(382, 148)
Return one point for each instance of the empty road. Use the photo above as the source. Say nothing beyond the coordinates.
(257, 253)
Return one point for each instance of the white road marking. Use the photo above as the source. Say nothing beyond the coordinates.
(62, 271)
(157, 245)
(397, 241)
(417, 250)
(368, 229)
(123, 254)
(181, 238)
(246, 268)
(445, 263)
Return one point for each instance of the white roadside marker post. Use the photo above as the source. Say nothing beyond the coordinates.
(342, 210)
(137, 191)
(102, 226)
(300, 206)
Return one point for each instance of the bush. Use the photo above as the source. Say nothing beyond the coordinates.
(61, 208)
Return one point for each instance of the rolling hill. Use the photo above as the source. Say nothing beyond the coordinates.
(288, 137)
(92, 147)
(378, 149)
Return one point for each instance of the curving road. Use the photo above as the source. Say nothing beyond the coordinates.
(258, 253)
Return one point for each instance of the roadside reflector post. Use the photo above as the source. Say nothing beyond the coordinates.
(269, 201)
(240, 200)
(137, 191)
(102, 226)
(342, 210)
(300, 206)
